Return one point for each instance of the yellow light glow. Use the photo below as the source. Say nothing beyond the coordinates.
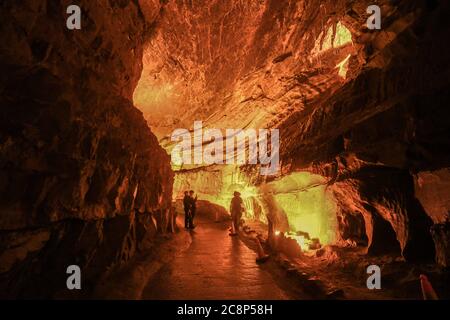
(342, 36)
(308, 205)
(301, 240)
(333, 38)
(343, 66)
(299, 202)
(216, 184)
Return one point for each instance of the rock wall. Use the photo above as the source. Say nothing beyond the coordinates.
(82, 178)
(383, 137)
(432, 190)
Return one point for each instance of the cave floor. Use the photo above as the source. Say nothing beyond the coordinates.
(209, 264)
(217, 266)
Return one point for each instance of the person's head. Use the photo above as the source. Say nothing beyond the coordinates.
(191, 192)
(236, 194)
(186, 193)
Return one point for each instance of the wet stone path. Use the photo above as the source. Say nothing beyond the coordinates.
(215, 266)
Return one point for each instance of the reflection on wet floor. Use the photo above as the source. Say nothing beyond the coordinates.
(216, 266)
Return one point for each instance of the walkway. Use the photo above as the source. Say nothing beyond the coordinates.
(216, 266)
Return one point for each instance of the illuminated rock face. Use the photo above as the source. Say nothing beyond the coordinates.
(297, 202)
(81, 174)
(362, 109)
(308, 203)
(246, 65)
(372, 135)
(242, 64)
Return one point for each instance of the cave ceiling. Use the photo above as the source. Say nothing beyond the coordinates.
(246, 64)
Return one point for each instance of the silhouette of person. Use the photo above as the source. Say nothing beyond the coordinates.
(193, 208)
(187, 209)
(236, 208)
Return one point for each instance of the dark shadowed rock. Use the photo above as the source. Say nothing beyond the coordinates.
(82, 177)
(441, 237)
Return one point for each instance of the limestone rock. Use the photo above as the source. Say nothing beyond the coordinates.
(82, 177)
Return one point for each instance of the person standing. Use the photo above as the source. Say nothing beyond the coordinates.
(193, 208)
(236, 208)
(187, 209)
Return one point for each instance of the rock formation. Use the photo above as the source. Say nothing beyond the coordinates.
(82, 178)
(366, 109)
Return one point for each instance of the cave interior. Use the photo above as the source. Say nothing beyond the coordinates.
(87, 117)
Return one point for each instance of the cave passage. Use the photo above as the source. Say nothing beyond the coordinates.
(359, 124)
(216, 266)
